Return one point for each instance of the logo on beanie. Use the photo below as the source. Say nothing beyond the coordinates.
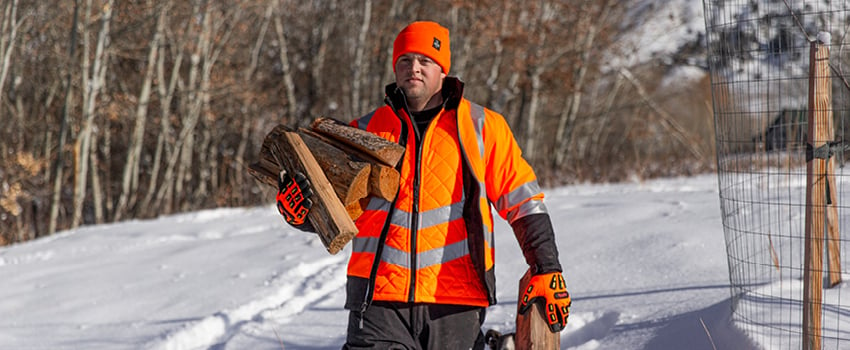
(436, 44)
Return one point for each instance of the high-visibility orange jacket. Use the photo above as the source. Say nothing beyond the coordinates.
(434, 242)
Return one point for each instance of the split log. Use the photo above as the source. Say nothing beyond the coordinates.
(387, 152)
(356, 164)
(328, 215)
(532, 329)
(357, 208)
(349, 177)
(383, 179)
(265, 171)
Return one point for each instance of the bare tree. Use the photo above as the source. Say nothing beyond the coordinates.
(130, 179)
(357, 67)
(542, 61)
(93, 79)
(58, 164)
(589, 24)
(283, 56)
(9, 28)
(165, 143)
(498, 55)
(164, 104)
(208, 148)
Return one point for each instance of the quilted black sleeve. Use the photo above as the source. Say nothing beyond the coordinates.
(536, 237)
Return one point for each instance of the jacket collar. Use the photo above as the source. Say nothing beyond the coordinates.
(452, 94)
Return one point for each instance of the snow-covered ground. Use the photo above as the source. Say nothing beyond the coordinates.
(644, 262)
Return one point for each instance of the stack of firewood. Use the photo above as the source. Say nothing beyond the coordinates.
(346, 166)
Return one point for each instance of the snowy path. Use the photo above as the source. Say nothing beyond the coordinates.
(305, 285)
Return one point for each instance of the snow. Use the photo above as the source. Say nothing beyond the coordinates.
(657, 29)
(645, 263)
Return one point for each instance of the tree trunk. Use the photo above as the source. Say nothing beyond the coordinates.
(96, 185)
(357, 66)
(498, 55)
(7, 41)
(288, 82)
(566, 124)
(164, 149)
(388, 76)
(321, 50)
(258, 45)
(239, 159)
(59, 163)
(91, 88)
(206, 165)
(186, 140)
(531, 132)
(599, 135)
(130, 180)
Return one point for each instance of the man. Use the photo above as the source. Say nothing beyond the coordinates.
(421, 270)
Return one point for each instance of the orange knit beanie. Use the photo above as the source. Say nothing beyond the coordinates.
(427, 38)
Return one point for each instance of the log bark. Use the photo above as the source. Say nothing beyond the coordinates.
(383, 150)
(355, 165)
(328, 216)
(383, 179)
(265, 171)
(349, 177)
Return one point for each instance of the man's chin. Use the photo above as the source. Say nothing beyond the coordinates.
(412, 91)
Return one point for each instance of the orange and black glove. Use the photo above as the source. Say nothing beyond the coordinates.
(293, 197)
(551, 288)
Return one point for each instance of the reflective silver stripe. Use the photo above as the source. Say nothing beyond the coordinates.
(437, 216)
(488, 231)
(378, 204)
(442, 255)
(365, 244)
(401, 218)
(519, 195)
(489, 237)
(363, 122)
(477, 113)
(531, 207)
(441, 215)
(390, 255)
(428, 218)
(401, 258)
(397, 257)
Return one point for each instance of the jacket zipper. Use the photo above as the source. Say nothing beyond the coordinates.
(367, 297)
(414, 225)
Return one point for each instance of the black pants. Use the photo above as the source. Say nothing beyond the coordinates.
(404, 326)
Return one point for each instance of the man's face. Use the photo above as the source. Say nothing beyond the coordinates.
(418, 76)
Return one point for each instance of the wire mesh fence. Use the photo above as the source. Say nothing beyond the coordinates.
(783, 178)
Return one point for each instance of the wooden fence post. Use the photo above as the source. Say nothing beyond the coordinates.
(819, 185)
